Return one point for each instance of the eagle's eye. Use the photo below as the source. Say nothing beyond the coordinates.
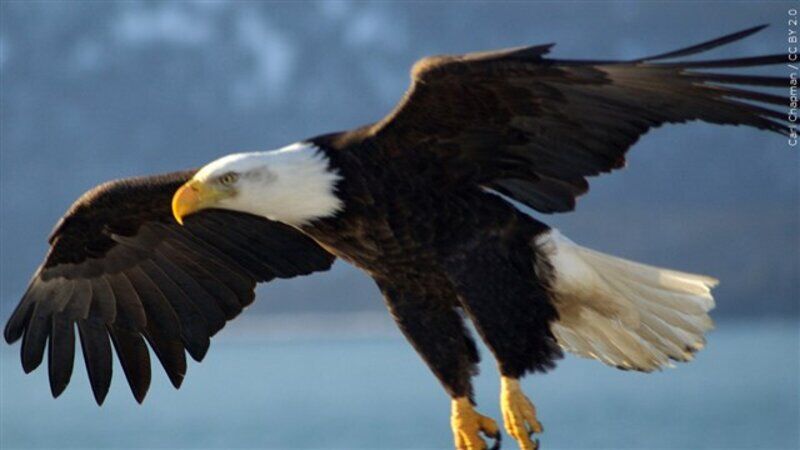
(228, 179)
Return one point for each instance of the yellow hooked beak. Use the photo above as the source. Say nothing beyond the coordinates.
(192, 197)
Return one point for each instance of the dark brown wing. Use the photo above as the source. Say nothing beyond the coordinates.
(125, 272)
(533, 128)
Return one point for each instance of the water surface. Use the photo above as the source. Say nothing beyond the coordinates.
(369, 390)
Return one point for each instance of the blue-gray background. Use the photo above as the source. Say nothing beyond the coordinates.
(91, 91)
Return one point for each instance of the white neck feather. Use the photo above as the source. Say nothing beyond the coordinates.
(294, 184)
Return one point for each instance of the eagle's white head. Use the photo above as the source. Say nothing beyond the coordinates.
(293, 185)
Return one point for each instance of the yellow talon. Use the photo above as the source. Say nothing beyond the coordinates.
(467, 425)
(519, 414)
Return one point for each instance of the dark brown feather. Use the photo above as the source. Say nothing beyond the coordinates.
(169, 351)
(134, 358)
(529, 126)
(61, 354)
(215, 317)
(705, 46)
(194, 330)
(97, 355)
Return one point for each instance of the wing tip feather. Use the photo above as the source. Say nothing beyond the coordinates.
(705, 46)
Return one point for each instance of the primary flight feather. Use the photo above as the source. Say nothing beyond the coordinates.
(167, 260)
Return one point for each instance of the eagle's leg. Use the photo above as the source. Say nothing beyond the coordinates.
(468, 425)
(519, 414)
(510, 306)
(425, 310)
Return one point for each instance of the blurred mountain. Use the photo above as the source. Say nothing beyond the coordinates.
(91, 91)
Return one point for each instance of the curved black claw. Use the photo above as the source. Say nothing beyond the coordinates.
(498, 438)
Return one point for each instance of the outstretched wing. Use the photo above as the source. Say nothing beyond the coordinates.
(120, 267)
(534, 128)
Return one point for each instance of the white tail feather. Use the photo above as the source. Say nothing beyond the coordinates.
(623, 313)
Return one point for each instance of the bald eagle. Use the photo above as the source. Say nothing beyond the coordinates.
(421, 201)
